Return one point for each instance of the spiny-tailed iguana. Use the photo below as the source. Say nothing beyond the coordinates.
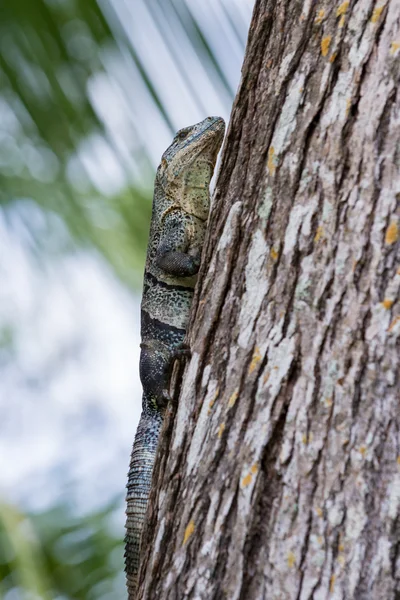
(180, 210)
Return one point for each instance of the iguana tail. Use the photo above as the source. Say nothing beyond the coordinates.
(139, 482)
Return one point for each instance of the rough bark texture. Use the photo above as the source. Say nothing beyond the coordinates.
(279, 475)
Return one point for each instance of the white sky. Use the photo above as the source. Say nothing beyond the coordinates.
(70, 392)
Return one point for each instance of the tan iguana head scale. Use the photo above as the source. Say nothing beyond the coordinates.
(187, 165)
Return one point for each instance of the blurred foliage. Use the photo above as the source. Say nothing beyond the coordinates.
(58, 555)
(48, 53)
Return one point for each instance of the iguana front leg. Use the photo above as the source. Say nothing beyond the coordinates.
(174, 254)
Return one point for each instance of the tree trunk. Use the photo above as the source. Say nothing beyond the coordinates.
(279, 476)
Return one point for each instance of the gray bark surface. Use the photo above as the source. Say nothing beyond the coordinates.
(278, 474)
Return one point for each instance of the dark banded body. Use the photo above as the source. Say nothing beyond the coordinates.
(178, 225)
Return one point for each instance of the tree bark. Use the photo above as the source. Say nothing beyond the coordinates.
(279, 475)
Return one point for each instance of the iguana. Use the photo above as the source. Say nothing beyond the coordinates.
(181, 205)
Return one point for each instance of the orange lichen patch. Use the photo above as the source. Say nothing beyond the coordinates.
(221, 430)
(247, 479)
(362, 450)
(328, 402)
(342, 10)
(291, 560)
(273, 254)
(341, 547)
(398, 271)
(387, 303)
(212, 401)
(394, 46)
(255, 360)
(394, 323)
(333, 57)
(320, 16)
(319, 234)
(266, 377)
(398, 460)
(332, 584)
(392, 233)
(271, 160)
(233, 398)
(376, 14)
(325, 43)
(188, 532)
(319, 511)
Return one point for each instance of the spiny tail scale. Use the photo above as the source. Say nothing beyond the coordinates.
(181, 205)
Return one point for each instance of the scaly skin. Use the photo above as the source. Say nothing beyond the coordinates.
(181, 205)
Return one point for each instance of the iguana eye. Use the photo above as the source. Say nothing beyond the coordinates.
(183, 133)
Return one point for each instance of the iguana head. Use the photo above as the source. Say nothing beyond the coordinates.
(188, 164)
